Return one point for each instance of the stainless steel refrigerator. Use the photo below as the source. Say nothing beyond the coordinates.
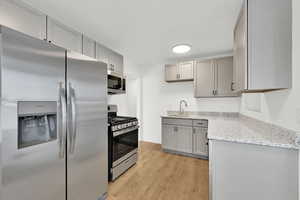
(53, 138)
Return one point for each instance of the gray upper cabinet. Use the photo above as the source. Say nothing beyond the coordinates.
(171, 72)
(204, 83)
(240, 48)
(263, 46)
(214, 78)
(224, 77)
(88, 47)
(102, 53)
(183, 71)
(186, 70)
(115, 61)
(63, 36)
(15, 15)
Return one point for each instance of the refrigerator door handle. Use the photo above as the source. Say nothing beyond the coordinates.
(62, 112)
(73, 119)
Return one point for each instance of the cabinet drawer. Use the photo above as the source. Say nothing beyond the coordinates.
(183, 122)
(200, 122)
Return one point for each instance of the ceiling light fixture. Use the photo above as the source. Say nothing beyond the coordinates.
(181, 48)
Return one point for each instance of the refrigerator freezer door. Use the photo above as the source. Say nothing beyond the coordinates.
(87, 139)
(31, 71)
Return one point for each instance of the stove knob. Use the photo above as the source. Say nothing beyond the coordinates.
(120, 126)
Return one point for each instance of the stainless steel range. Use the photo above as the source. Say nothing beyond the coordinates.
(122, 143)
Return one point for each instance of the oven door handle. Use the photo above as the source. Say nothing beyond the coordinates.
(124, 131)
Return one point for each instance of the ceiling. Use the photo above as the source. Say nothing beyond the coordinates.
(145, 30)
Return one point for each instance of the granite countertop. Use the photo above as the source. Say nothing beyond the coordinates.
(235, 127)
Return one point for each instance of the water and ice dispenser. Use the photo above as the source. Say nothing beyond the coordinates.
(36, 122)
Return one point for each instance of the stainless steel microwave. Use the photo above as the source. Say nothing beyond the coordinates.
(116, 83)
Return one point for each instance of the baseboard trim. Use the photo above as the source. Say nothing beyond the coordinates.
(186, 154)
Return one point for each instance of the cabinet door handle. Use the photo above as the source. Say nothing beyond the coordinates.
(232, 86)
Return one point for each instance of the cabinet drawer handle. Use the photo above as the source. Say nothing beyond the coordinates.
(232, 86)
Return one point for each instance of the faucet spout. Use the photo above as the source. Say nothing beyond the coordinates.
(181, 110)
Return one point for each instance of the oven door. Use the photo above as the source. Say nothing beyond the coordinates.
(124, 145)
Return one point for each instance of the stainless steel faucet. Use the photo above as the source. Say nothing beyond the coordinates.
(180, 107)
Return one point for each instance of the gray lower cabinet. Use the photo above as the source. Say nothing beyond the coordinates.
(63, 36)
(181, 136)
(247, 171)
(214, 78)
(21, 17)
(177, 138)
(184, 139)
(263, 46)
(169, 139)
(200, 141)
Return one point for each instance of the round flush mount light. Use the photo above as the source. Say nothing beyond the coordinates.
(181, 48)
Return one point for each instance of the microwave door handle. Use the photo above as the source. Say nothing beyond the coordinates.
(73, 120)
(62, 112)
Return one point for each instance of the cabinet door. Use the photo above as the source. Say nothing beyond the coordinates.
(204, 79)
(21, 17)
(111, 60)
(102, 53)
(88, 47)
(184, 139)
(120, 63)
(63, 36)
(116, 62)
(168, 137)
(171, 72)
(240, 53)
(186, 70)
(224, 76)
(200, 141)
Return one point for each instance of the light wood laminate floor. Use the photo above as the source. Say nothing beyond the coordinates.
(162, 176)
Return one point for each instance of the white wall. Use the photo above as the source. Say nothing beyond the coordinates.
(159, 96)
(128, 103)
(280, 107)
